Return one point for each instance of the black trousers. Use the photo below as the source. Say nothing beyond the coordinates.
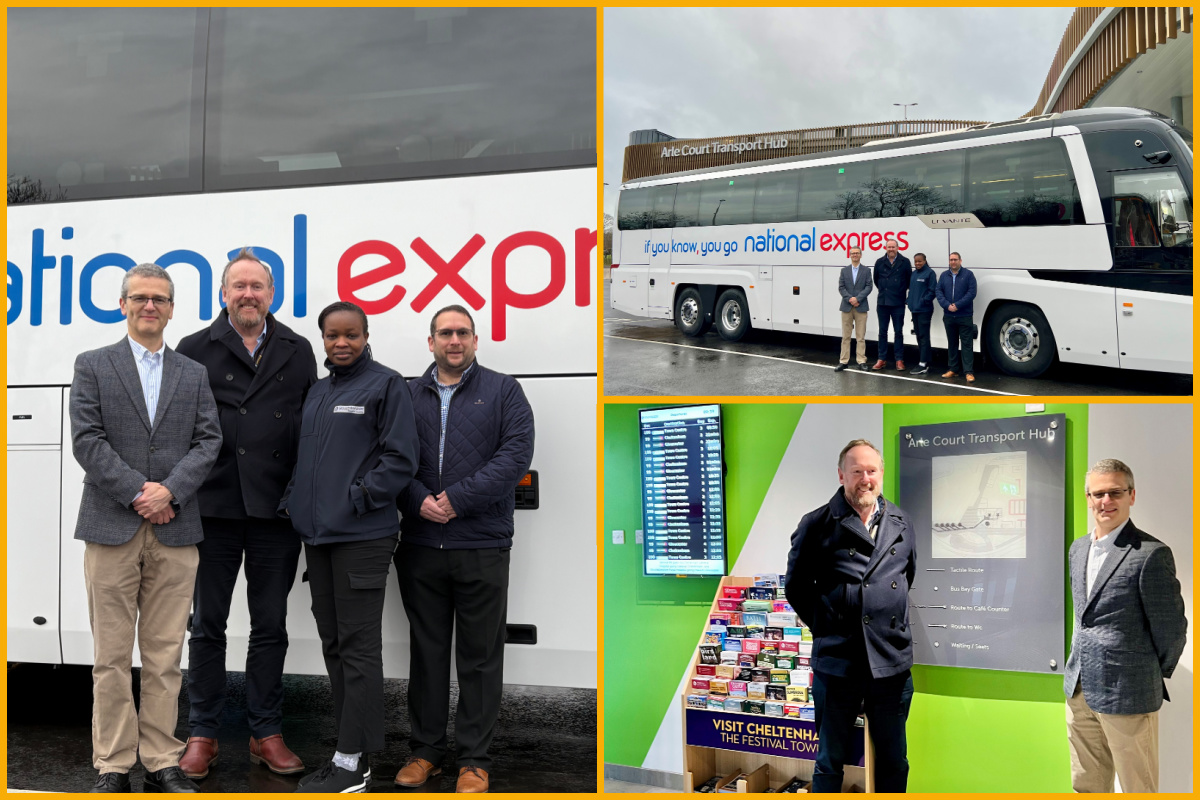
(921, 321)
(958, 331)
(442, 590)
(270, 549)
(348, 581)
(886, 702)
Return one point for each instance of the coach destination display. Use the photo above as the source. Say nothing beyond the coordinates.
(987, 501)
(683, 491)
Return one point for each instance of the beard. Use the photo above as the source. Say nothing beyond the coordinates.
(864, 498)
(248, 316)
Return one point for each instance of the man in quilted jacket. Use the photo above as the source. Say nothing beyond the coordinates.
(476, 432)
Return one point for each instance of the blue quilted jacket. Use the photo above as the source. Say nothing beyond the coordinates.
(489, 447)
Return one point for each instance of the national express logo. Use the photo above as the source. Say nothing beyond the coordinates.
(75, 292)
(775, 242)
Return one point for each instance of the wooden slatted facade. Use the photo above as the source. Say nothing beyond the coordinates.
(644, 160)
(1132, 32)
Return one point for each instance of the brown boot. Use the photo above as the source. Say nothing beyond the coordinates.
(472, 779)
(272, 752)
(201, 753)
(415, 772)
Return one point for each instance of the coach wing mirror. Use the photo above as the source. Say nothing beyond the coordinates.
(1158, 157)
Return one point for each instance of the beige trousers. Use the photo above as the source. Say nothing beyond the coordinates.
(141, 585)
(1101, 743)
(855, 321)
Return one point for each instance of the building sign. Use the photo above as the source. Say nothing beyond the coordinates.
(768, 736)
(987, 500)
(717, 146)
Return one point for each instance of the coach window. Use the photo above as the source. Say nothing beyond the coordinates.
(687, 205)
(1022, 183)
(662, 206)
(777, 197)
(727, 201)
(930, 183)
(104, 102)
(1151, 209)
(320, 95)
(633, 210)
(836, 192)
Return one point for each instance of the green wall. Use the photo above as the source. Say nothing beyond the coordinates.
(652, 625)
(974, 730)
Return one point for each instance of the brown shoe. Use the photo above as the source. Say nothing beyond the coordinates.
(949, 374)
(472, 779)
(275, 755)
(415, 772)
(900, 365)
(880, 364)
(200, 754)
(970, 378)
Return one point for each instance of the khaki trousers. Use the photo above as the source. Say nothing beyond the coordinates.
(855, 321)
(145, 586)
(1101, 742)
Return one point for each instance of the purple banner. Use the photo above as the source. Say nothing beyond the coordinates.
(770, 736)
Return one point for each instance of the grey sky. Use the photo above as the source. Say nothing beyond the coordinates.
(698, 72)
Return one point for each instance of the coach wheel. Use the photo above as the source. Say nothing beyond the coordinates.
(733, 317)
(1019, 340)
(689, 314)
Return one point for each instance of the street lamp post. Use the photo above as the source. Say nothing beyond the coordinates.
(905, 105)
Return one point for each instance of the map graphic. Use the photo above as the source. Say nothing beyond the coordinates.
(979, 506)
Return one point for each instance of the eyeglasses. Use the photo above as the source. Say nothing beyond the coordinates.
(462, 333)
(141, 300)
(1115, 494)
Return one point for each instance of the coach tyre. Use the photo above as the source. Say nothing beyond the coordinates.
(689, 313)
(1019, 340)
(733, 317)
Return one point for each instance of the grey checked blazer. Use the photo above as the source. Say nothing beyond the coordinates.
(848, 287)
(1130, 633)
(119, 449)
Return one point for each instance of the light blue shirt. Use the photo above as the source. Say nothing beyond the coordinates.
(853, 274)
(262, 335)
(445, 393)
(149, 366)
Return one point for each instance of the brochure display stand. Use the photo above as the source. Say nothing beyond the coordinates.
(756, 735)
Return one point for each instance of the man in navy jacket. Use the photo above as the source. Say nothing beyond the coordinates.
(891, 274)
(849, 571)
(956, 289)
(476, 432)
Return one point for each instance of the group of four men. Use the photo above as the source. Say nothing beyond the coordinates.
(187, 453)
(850, 568)
(900, 284)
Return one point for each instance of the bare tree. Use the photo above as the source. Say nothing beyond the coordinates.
(23, 189)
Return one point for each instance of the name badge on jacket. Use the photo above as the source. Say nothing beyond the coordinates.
(349, 409)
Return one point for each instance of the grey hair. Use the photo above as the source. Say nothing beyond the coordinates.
(147, 270)
(886, 242)
(1108, 466)
(247, 254)
(854, 444)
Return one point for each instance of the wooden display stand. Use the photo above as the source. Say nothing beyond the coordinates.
(702, 762)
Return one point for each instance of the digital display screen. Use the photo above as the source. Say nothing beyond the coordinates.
(683, 491)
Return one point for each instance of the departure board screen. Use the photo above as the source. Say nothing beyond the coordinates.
(683, 491)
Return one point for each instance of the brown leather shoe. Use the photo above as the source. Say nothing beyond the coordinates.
(949, 374)
(200, 754)
(900, 365)
(880, 364)
(415, 772)
(275, 755)
(472, 779)
(970, 378)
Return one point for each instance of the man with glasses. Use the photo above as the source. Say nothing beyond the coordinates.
(849, 571)
(1130, 631)
(259, 370)
(476, 432)
(144, 428)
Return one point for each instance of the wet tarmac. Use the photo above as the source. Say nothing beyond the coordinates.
(647, 357)
(545, 740)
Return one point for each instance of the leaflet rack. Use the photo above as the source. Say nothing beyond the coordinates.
(702, 761)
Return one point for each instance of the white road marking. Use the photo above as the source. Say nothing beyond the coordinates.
(875, 373)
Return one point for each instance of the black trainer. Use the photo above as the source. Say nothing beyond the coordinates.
(169, 779)
(863, 366)
(840, 367)
(112, 782)
(920, 369)
(332, 778)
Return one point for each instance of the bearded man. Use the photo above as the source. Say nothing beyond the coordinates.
(849, 571)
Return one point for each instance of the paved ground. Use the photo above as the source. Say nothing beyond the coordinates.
(546, 741)
(651, 357)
